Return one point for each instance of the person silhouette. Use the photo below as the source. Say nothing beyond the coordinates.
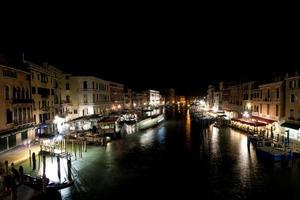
(33, 161)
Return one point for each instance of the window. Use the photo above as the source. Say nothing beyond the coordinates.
(298, 83)
(277, 110)
(68, 99)
(32, 75)
(67, 77)
(67, 86)
(261, 94)
(277, 93)
(84, 84)
(24, 135)
(27, 94)
(12, 141)
(3, 143)
(268, 109)
(38, 77)
(33, 90)
(6, 92)
(22, 93)
(8, 116)
(290, 84)
(10, 73)
(75, 111)
(85, 100)
(260, 108)
(292, 98)
(269, 93)
(291, 113)
(93, 85)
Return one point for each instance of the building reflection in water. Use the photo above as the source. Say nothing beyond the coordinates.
(188, 131)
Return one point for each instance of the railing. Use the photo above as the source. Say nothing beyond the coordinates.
(64, 101)
(22, 122)
(44, 108)
(16, 101)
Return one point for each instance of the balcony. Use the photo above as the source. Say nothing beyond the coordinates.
(66, 102)
(17, 101)
(45, 108)
(23, 122)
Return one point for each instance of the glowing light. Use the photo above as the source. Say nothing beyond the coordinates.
(215, 109)
(248, 106)
(119, 106)
(134, 104)
(59, 138)
(202, 103)
(246, 114)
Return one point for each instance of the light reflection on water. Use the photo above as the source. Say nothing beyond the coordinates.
(147, 138)
(187, 131)
(218, 160)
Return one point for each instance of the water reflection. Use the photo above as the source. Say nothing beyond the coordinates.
(162, 135)
(147, 138)
(218, 160)
(187, 131)
(215, 146)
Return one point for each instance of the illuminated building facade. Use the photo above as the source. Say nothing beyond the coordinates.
(17, 123)
(45, 92)
(84, 95)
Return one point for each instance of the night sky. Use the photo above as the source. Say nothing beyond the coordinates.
(152, 53)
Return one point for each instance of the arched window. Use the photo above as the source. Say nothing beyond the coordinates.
(18, 93)
(14, 93)
(15, 114)
(6, 92)
(20, 115)
(23, 94)
(28, 114)
(24, 114)
(8, 116)
(27, 94)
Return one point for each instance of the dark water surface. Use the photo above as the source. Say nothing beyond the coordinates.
(178, 159)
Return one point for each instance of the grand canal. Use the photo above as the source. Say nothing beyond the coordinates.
(179, 159)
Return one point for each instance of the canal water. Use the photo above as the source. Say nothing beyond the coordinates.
(178, 159)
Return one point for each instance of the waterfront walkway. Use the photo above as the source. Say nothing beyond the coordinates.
(18, 154)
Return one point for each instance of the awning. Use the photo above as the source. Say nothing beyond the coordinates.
(290, 125)
(250, 123)
(263, 120)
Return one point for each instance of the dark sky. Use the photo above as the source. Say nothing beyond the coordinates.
(142, 52)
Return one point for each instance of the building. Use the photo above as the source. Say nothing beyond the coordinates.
(17, 122)
(210, 97)
(84, 95)
(139, 100)
(292, 107)
(153, 98)
(45, 92)
(169, 95)
(268, 105)
(116, 95)
(128, 99)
